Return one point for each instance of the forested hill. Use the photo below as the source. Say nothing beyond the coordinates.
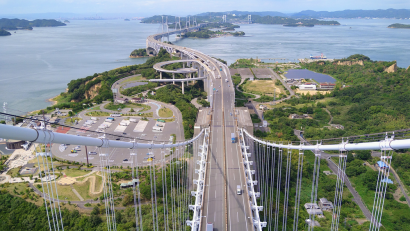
(376, 96)
(14, 24)
(389, 13)
(283, 20)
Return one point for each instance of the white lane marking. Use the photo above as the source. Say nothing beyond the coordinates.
(233, 176)
(215, 193)
(237, 216)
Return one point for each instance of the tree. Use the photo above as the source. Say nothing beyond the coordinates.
(363, 155)
(95, 220)
(95, 211)
(350, 157)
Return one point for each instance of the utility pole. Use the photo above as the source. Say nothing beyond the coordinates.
(86, 154)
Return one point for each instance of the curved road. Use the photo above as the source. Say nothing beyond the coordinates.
(222, 206)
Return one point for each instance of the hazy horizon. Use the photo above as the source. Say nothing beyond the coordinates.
(122, 8)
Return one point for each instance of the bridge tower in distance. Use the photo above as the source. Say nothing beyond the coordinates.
(194, 22)
(224, 18)
(249, 19)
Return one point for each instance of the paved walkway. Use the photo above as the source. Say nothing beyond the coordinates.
(195, 103)
(76, 193)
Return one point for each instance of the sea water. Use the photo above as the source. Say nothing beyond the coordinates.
(37, 65)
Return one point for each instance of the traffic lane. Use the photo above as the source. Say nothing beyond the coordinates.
(237, 209)
(215, 203)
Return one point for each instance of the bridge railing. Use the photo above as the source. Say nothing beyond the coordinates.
(250, 184)
(195, 223)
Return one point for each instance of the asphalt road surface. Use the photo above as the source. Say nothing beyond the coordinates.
(222, 206)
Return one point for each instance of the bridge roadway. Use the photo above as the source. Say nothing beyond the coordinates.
(224, 161)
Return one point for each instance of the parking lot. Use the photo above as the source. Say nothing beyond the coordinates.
(119, 129)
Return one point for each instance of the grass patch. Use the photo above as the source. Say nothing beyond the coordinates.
(62, 98)
(165, 112)
(114, 107)
(71, 121)
(83, 188)
(97, 113)
(95, 108)
(133, 79)
(144, 107)
(14, 172)
(74, 172)
(150, 114)
(169, 120)
(261, 87)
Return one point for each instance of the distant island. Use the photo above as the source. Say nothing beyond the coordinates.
(291, 21)
(139, 53)
(398, 25)
(126, 19)
(299, 25)
(4, 32)
(388, 13)
(66, 21)
(22, 24)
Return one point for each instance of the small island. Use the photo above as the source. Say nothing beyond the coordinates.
(66, 21)
(22, 24)
(139, 53)
(399, 25)
(126, 19)
(4, 33)
(299, 25)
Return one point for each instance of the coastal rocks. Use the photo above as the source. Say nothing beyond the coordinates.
(350, 63)
(391, 69)
(93, 91)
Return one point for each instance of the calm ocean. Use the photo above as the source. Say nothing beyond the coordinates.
(37, 65)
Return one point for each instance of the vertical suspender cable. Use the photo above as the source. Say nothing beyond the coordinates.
(343, 175)
(51, 187)
(273, 163)
(163, 187)
(298, 189)
(266, 180)
(286, 196)
(278, 189)
(376, 199)
(47, 178)
(334, 225)
(42, 185)
(316, 181)
(104, 179)
(55, 185)
(155, 193)
(139, 194)
(134, 185)
(152, 196)
(387, 172)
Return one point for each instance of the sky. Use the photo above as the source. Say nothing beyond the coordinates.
(143, 8)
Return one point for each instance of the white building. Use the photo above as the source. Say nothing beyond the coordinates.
(307, 86)
(313, 209)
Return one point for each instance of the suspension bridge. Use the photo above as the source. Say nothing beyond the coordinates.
(233, 182)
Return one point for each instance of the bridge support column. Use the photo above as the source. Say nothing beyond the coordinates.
(160, 75)
(173, 77)
(183, 92)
